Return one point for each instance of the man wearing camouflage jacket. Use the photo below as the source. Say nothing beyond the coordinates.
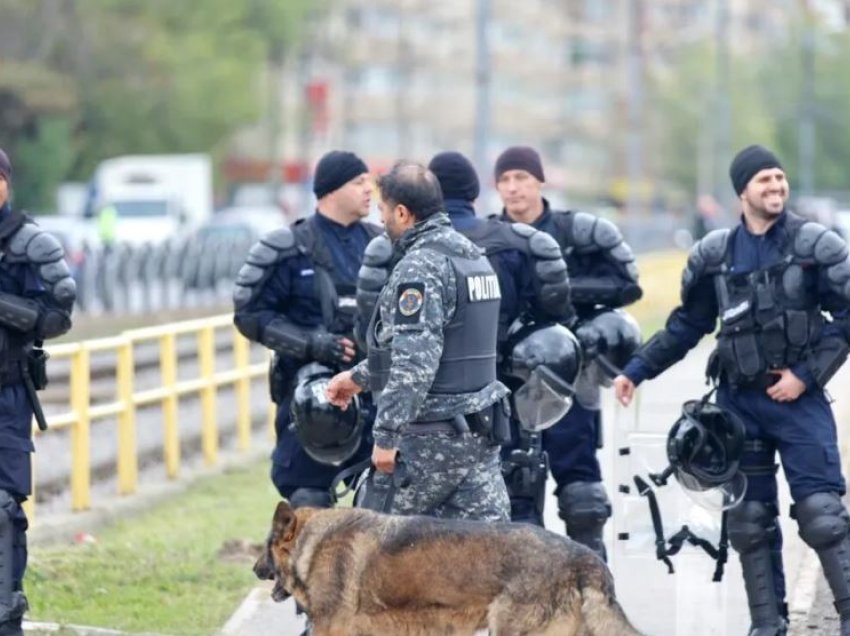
(432, 361)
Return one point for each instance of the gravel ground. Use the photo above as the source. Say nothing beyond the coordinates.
(822, 619)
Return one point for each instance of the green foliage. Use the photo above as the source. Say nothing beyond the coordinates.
(161, 571)
(150, 77)
(41, 163)
(767, 95)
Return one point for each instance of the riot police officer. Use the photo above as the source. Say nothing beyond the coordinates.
(602, 275)
(535, 290)
(769, 280)
(36, 297)
(296, 295)
(432, 361)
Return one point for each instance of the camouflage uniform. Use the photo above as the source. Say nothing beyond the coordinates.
(451, 473)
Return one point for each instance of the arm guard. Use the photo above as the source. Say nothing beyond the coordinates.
(264, 255)
(286, 338)
(371, 279)
(18, 313)
(590, 235)
(553, 291)
(830, 253)
(45, 254)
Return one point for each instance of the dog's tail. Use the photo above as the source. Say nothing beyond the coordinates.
(602, 614)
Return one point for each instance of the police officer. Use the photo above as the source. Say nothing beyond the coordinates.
(432, 360)
(602, 274)
(535, 289)
(295, 294)
(36, 297)
(769, 280)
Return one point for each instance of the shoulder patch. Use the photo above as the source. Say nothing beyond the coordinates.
(411, 299)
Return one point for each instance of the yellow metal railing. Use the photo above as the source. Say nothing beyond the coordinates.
(127, 399)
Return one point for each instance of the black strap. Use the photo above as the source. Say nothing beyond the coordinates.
(345, 474)
(564, 223)
(720, 554)
(661, 553)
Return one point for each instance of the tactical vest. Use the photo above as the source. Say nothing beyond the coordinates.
(768, 317)
(337, 299)
(468, 363)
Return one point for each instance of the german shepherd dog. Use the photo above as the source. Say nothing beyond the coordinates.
(360, 573)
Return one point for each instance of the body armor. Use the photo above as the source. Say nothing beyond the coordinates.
(469, 355)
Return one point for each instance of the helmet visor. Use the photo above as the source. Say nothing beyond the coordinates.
(718, 497)
(538, 403)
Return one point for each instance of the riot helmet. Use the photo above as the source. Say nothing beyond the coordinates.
(546, 358)
(327, 433)
(704, 447)
(620, 337)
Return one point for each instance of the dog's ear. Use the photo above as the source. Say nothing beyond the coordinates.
(284, 522)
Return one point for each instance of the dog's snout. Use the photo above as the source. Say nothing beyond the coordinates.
(264, 568)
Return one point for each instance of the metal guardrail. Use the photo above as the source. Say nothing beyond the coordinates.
(82, 413)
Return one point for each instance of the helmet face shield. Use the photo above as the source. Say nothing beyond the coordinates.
(542, 401)
(718, 498)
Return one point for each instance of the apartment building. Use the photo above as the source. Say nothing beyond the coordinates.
(400, 78)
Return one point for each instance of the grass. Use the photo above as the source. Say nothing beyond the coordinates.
(159, 571)
(660, 277)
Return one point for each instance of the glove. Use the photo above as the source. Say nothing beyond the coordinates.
(326, 348)
(591, 340)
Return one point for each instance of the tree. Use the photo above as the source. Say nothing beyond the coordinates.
(146, 77)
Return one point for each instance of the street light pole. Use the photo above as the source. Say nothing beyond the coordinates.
(634, 150)
(806, 147)
(483, 74)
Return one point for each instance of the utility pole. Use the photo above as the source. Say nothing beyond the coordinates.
(806, 148)
(723, 115)
(634, 150)
(404, 68)
(483, 74)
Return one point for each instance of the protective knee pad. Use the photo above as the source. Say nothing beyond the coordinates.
(751, 525)
(823, 520)
(584, 506)
(310, 498)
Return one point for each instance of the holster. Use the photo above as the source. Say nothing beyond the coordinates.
(492, 422)
(36, 361)
(279, 381)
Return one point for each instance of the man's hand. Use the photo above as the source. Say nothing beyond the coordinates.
(624, 389)
(341, 389)
(384, 459)
(329, 348)
(789, 387)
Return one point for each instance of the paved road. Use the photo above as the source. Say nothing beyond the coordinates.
(684, 603)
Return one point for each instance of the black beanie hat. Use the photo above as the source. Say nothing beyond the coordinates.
(457, 177)
(748, 163)
(334, 170)
(520, 158)
(5, 166)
